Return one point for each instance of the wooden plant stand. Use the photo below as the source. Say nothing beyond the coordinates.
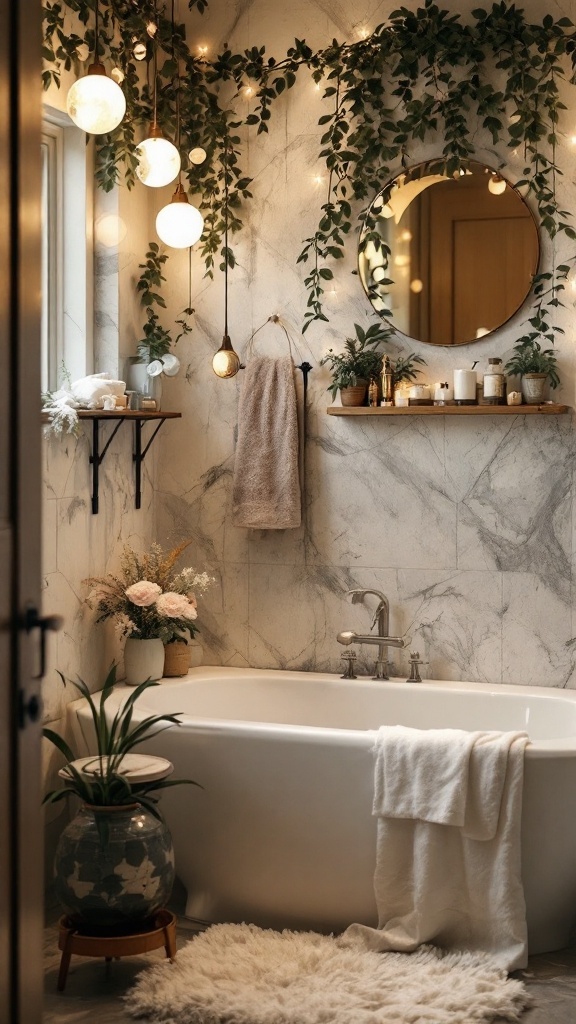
(161, 932)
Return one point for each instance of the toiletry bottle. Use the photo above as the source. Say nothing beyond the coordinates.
(494, 383)
(387, 383)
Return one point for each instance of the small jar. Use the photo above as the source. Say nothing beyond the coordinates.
(493, 387)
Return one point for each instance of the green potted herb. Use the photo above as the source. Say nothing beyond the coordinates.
(404, 368)
(360, 360)
(535, 366)
(114, 863)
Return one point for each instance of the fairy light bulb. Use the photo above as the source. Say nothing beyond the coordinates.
(158, 159)
(197, 155)
(179, 224)
(496, 185)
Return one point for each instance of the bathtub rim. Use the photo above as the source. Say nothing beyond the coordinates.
(554, 748)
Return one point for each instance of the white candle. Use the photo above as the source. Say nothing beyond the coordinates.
(465, 386)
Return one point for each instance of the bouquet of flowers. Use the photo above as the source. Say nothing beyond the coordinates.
(148, 598)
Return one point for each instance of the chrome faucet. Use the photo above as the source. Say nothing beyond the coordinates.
(381, 639)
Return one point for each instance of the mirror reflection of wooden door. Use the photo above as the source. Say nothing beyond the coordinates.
(481, 259)
(21, 896)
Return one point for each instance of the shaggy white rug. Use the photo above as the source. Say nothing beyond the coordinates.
(241, 974)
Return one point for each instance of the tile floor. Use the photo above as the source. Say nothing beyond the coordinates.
(93, 993)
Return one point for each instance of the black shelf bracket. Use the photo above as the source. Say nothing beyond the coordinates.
(97, 456)
(140, 454)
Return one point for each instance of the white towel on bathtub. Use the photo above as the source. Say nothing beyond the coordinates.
(459, 887)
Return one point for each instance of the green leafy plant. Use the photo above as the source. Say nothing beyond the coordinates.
(157, 341)
(115, 737)
(360, 360)
(529, 357)
(404, 368)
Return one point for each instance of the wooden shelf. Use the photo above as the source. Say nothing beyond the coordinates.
(546, 409)
(96, 457)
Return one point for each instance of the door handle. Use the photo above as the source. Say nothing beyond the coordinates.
(33, 620)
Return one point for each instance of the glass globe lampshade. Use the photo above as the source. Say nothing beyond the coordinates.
(95, 102)
(225, 362)
(158, 159)
(179, 224)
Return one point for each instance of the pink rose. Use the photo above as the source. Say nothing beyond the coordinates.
(175, 606)
(143, 593)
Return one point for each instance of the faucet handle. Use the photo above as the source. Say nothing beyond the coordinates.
(415, 663)
(349, 657)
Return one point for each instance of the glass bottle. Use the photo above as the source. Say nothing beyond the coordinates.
(494, 383)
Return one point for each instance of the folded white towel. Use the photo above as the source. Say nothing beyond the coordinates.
(266, 483)
(422, 773)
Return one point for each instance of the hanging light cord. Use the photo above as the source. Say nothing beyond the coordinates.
(226, 240)
(96, 31)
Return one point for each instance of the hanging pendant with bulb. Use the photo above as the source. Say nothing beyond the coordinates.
(226, 362)
(158, 159)
(95, 102)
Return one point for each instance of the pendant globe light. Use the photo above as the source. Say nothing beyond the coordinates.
(179, 224)
(226, 363)
(158, 159)
(96, 102)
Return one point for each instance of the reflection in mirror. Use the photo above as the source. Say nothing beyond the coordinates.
(446, 259)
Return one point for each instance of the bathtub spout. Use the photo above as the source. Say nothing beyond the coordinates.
(350, 637)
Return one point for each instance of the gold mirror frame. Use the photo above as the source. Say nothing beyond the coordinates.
(448, 260)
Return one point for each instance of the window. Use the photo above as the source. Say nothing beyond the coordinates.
(66, 250)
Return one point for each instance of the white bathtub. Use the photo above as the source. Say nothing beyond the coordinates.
(282, 833)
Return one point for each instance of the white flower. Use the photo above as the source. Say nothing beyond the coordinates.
(144, 593)
(154, 369)
(171, 364)
(176, 606)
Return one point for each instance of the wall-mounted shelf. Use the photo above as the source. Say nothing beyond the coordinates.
(547, 409)
(138, 418)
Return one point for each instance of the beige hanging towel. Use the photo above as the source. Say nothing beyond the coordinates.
(266, 482)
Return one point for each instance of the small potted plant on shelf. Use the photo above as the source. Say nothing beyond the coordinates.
(155, 609)
(114, 863)
(535, 366)
(404, 368)
(357, 364)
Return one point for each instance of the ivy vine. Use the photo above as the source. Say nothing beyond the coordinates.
(423, 75)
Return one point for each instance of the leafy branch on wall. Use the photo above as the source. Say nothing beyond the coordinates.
(422, 76)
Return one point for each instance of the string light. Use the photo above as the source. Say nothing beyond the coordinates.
(496, 185)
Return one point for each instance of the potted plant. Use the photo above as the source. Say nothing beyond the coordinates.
(535, 366)
(404, 368)
(155, 357)
(155, 609)
(114, 863)
(360, 360)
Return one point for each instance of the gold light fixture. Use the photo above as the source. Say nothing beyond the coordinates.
(226, 362)
(95, 102)
(158, 159)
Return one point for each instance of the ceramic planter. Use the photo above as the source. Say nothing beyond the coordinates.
(114, 868)
(143, 659)
(534, 387)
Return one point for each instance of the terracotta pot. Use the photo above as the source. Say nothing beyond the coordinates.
(176, 658)
(533, 387)
(143, 659)
(354, 395)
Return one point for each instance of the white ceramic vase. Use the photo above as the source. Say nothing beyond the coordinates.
(143, 659)
(533, 387)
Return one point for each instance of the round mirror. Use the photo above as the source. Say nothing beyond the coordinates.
(448, 259)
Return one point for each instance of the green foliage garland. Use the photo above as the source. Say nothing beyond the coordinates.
(422, 75)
